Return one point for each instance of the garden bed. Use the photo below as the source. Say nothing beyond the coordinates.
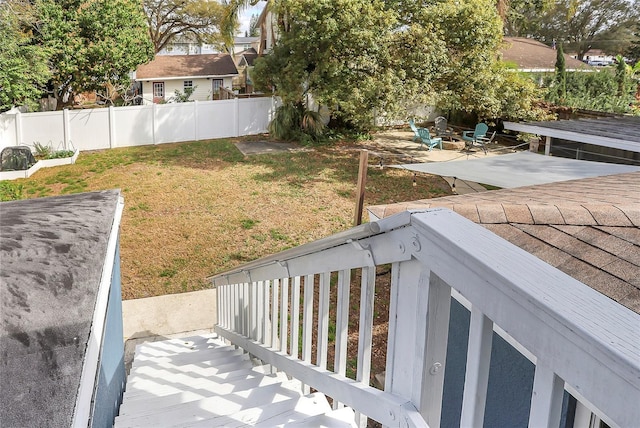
(42, 163)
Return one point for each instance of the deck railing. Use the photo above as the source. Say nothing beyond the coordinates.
(579, 340)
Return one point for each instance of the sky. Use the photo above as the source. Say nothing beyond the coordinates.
(245, 16)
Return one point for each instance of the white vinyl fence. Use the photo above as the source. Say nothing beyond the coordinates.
(95, 129)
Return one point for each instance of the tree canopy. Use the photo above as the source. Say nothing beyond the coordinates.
(579, 24)
(633, 50)
(198, 20)
(230, 22)
(23, 65)
(361, 57)
(254, 31)
(91, 44)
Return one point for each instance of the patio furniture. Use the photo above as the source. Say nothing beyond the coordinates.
(485, 141)
(427, 140)
(414, 128)
(441, 128)
(471, 137)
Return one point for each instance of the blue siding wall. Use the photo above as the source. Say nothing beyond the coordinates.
(111, 372)
(510, 378)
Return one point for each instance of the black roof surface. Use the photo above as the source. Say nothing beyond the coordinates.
(52, 252)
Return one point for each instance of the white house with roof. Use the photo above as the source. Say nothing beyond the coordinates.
(184, 45)
(242, 44)
(596, 57)
(203, 74)
(530, 55)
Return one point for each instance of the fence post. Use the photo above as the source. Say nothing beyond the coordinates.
(112, 127)
(18, 128)
(154, 112)
(195, 120)
(237, 109)
(362, 181)
(66, 128)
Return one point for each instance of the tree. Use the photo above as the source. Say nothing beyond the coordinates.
(359, 57)
(621, 75)
(633, 50)
(254, 31)
(197, 19)
(335, 50)
(520, 16)
(561, 74)
(230, 21)
(23, 65)
(583, 24)
(92, 44)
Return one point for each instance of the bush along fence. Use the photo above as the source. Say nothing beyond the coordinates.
(95, 129)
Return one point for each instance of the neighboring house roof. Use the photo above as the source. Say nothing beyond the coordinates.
(588, 228)
(180, 66)
(53, 252)
(247, 57)
(596, 52)
(243, 40)
(532, 55)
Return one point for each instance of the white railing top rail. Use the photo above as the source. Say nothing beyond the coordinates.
(362, 231)
(584, 338)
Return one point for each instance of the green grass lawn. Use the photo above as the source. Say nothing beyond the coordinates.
(194, 209)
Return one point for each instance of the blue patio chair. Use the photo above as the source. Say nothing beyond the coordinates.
(427, 140)
(471, 137)
(414, 128)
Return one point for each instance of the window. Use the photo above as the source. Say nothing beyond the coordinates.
(158, 89)
(187, 85)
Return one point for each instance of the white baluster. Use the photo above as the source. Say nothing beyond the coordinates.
(284, 312)
(365, 335)
(295, 316)
(323, 321)
(546, 400)
(307, 322)
(342, 326)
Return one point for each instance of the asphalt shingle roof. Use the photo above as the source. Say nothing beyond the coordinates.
(530, 54)
(52, 251)
(176, 66)
(588, 228)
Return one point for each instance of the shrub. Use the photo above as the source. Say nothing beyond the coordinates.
(294, 122)
(591, 91)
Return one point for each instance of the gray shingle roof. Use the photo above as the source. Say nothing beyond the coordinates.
(588, 228)
(52, 251)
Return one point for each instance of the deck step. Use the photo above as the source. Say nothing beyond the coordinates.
(201, 381)
(205, 367)
(143, 403)
(342, 418)
(209, 407)
(160, 387)
(269, 415)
